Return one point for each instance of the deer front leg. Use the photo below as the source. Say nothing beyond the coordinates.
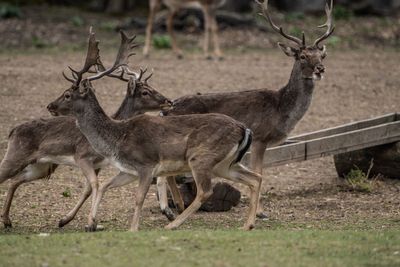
(145, 179)
(119, 180)
(256, 164)
(71, 215)
(207, 28)
(214, 31)
(153, 6)
(163, 198)
(170, 28)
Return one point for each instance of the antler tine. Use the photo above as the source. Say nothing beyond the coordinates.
(265, 14)
(67, 78)
(148, 77)
(328, 24)
(124, 52)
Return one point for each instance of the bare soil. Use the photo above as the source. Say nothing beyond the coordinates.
(358, 85)
(362, 81)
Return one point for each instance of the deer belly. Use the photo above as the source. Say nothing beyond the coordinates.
(123, 167)
(60, 160)
(170, 167)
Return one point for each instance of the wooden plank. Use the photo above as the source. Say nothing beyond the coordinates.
(347, 127)
(335, 144)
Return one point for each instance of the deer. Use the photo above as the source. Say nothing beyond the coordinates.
(270, 114)
(208, 8)
(207, 145)
(36, 148)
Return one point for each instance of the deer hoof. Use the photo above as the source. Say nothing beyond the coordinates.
(169, 214)
(179, 56)
(90, 228)
(63, 222)
(7, 225)
(248, 227)
(262, 215)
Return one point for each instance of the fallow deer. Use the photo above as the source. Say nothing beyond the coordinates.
(36, 148)
(271, 115)
(207, 145)
(208, 7)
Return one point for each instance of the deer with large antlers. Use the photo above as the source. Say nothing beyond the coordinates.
(271, 115)
(207, 145)
(208, 8)
(36, 148)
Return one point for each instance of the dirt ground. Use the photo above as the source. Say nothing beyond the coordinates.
(358, 85)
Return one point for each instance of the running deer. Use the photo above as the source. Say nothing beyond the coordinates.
(271, 115)
(208, 7)
(207, 145)
(36, 148)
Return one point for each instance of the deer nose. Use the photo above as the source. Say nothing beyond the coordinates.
(168, 102)
(320, 68)
(51, 107)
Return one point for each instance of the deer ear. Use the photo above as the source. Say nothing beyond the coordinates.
(289, 51)
(84, 87)
(132, 86)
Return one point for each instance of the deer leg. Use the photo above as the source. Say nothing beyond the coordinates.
(207, 27)
(91, 177)
(214, 31)
(202, 179)
(163, 198)
(32, 173)
(239, 173)
(119, 180)
(176, 194)
(71, 215)
(141, 192)
(154, 6)
(170, 28)
(256, 164)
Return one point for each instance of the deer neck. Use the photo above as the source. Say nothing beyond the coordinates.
(126, 111)
(98, 128)
(295, 98)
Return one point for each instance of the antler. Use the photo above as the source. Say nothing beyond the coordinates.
(125, 51)
(279, 29)
(92, 58)
(328, 24)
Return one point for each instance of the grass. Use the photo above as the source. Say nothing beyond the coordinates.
(204, 248)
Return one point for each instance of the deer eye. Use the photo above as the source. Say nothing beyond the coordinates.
(302, 57)
(145, 93)
(67, 96)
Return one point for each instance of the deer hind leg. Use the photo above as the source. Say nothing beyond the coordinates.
(163, 198)
(30, 173)
(154, 6)
(145, 179)
(119, 180)
(239, 173)
(170, 28)
(202, 179)
(256, 164)
(176, 194)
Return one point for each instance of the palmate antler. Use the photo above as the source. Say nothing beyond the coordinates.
(92, 58)
(302, 42)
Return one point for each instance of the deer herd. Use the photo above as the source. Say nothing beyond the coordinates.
(206, 135)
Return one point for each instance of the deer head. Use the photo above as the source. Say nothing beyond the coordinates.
(309, 56)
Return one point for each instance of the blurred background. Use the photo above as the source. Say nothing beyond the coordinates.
(40, 24)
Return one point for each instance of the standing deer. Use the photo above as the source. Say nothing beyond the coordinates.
(208, 7)
(208, 145)
(36, 148)
(271, 115)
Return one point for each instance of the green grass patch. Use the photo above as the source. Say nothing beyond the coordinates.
(204, 248)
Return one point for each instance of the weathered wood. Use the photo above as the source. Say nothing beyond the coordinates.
(386, 161)
(345, 141)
